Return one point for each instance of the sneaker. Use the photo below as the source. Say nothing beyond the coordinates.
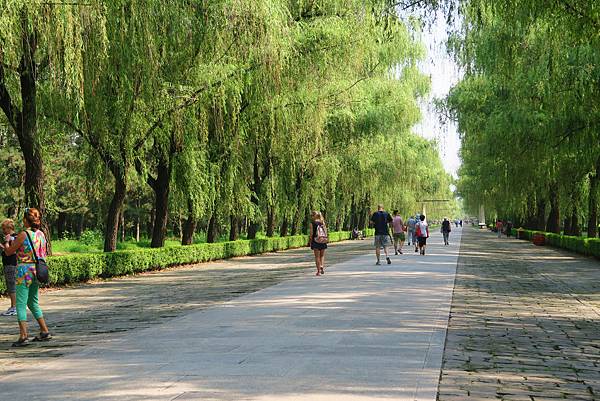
(400, 252)
(389, 261)
(416, 249)
(10, 312)
(396, 254)
(378, 263)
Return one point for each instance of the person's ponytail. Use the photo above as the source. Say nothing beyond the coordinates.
(33, 217)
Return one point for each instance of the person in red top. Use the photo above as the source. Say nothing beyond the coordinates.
(499, 227)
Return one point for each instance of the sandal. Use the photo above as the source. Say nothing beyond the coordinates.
(43, 337)
(21, 342)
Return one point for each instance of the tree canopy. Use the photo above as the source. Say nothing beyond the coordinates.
(528, 112)
(220, 117)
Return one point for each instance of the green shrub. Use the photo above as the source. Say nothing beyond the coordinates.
(91, 237)
(581, 245)
(81, 267)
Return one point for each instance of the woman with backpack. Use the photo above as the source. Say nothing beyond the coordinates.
(318, 240)
(422, 233)
(29, 246)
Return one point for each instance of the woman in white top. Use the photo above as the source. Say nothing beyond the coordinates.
(422, 233)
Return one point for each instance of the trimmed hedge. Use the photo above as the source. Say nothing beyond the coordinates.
(581, 245)
(81, 267)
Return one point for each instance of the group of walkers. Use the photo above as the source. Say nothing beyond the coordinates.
(21, 251)
(415, 230)
(19, 255)
(503, 227)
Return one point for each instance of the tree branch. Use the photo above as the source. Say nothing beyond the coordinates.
(579, 13)
(6, 104)
(194, 97)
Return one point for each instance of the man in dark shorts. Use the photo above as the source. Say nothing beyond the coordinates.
(381, 220)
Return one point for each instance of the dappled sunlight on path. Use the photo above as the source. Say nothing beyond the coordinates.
(360, 332)
(525, 323)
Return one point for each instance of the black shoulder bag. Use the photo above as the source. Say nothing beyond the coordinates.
(41, 268)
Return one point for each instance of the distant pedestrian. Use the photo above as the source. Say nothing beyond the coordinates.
(381, 220)
(399, 236)
(9, 263)
(28, 245)
(499, 228)
(422, 233)
(318, 240)
(508, 229)
(446, 230)
(411, 226)
(460, 223)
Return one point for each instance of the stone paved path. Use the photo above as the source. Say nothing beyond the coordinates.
(361, 332)
(87, 313)
(525, 324)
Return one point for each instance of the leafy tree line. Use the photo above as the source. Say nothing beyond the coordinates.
(528, 111)
(212, 117)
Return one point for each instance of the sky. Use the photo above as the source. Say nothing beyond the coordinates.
(444, 74)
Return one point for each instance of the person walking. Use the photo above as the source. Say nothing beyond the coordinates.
(380, 220)
(318, 240)
(446, 230)
(9, 263)
(29, 243)
(410, 228)
(399, 236)
(499, 228)
(508, 229)
(422, 234)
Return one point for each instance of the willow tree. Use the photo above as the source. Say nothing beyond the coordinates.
(526, 108)
(40, 48)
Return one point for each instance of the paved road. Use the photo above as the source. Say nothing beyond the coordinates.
(525, 324)
(360, 332)
(87, 313)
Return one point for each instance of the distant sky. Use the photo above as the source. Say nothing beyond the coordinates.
(444, 74)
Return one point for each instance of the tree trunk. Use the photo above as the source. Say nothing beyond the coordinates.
(353, 215)
(567, 226)
(530, 219)
(256, 186)
(189, 228)
(111, 230)
(122, 225)
(297, 215)
(540, 223)
(575, 228)
(211, 231)
(161, 188)
(137, 229)
(24, 122)
(79, 226)
(271, 221)
(592, 230)
(364, 213)
(233, 228)
(60, 224)
(283, 230)
(553, 224)
(306, 222)
(150, 226)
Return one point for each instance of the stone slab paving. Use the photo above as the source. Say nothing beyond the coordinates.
(525, 323)
(361, 332)
(87, 313)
